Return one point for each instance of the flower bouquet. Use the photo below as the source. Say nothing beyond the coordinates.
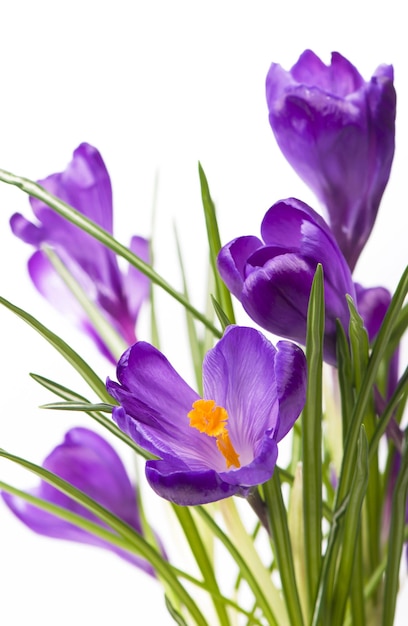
(316, 538)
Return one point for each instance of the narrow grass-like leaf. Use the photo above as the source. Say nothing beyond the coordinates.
(111, 338)
(154, 327)
(399, 329)
(59, 390)
(203, 561)
(347, 472)
(222, 317)
(396, 538)
(358, 607)
(297, 537)
(195, 345)
(365, 394)
(85, 224)
(69, 395)
(345, 377)
(373, 503)
(399, 395)
(312, 437)
(223, 296)
(278, 523)
(176, 615)
(359, 344)
(63, 348)
(320, 606)
(74, 518)
(78, 406)
(351, 528)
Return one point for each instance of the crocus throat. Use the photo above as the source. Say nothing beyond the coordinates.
(211, 419)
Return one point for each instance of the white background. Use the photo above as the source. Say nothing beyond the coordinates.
(155, 86)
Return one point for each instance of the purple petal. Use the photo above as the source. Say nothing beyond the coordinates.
(372, 304)
(145, 373)
(257, 471)
(151, 391)
(84, 184)
(291, 380)
(243, 356)
(185, 487)
(232, 259)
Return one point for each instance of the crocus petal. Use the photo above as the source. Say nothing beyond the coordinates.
(90, 464)
(257, 471)
(291, 379)
(337, 131)
(300, 228)
(232, 259)
(239, 377)
(186, 487)
(372, 304)
(243, 356)
(84, 184)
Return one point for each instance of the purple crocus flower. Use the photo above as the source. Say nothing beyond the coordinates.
(337, 131)
(226, 442)
(85, 185)
(87, 462)
(272, 278)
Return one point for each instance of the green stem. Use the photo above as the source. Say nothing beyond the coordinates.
(250, 565)
(277, 517)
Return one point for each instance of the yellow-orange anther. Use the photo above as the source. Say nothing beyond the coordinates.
(211, 419)
(208, 418)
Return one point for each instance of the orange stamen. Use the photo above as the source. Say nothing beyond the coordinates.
(211, 419)
(228, 451)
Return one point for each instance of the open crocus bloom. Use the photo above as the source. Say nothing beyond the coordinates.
(87, 462)
(338, 133)
(226, 442)
(272, 277)
(85, 185)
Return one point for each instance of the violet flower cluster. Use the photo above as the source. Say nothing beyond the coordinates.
(337, 131)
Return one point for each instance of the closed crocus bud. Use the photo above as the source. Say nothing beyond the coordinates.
(272, 277)
(337, 131)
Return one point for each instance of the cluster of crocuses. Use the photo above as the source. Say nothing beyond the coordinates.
(337, 131)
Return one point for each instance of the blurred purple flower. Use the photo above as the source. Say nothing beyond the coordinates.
(85, 185)
(337, 131)
(390, 488)
(90, 464)
(272, 278)
(226, 442)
